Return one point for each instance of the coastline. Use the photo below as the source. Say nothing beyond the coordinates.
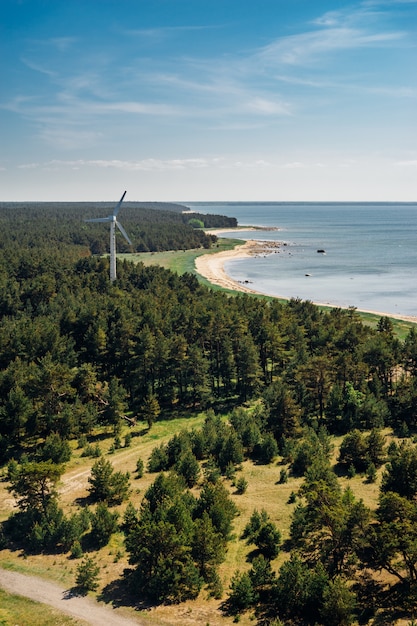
(211, 267)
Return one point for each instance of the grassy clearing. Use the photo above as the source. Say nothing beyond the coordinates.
(179, 261)
(15, 610)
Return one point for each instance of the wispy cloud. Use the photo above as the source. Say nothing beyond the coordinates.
(73, 108)
(140, 165)
(372, 3)
(38, 67)
(390, 91)
(264, 106)
(307, 48)
(162, 32)
(244, 90)
(160, 165)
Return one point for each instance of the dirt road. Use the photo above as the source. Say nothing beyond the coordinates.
(77, 606)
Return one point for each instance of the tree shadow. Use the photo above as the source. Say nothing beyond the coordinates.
(74, 592)
(119, 592)
(141, 432)
(383, 604)
(252, 555)
(84, 501)
(101, 436)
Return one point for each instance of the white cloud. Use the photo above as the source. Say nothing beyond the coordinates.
(38, 67)
(373, 3)
(141, 165)
(268, 107)
(148, 165)
(306, 48)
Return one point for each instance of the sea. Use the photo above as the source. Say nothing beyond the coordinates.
(361, 255)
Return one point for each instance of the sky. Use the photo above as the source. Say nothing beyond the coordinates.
(208, 100)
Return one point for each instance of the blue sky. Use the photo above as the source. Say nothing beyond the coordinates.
(187, 100)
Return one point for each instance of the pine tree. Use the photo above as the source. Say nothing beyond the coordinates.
(87, 575)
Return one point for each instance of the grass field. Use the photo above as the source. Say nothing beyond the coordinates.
(18, 611)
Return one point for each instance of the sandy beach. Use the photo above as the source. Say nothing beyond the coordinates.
(211, 267)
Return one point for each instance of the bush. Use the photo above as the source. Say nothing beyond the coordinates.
(188, 467)
(230, 471)
(106, 484)
(371, 473)
(92, 451)
(292, 498)
(338, 604)
(263, 533)
(76, 550)
(283, 476)
(268, 540)
(87, 575)
(55, 449)
(267, 449)
(196, 223)
(261, 574)
(242, 596)
(139, 468)
(351, 471)
(158, 460)
(241, 485)
(103, 525)
(82, 441)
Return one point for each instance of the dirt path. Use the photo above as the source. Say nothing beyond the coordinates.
(77, 606)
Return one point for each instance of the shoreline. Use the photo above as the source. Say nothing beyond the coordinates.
(211, 267)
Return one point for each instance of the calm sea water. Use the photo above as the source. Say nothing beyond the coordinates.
(370, 259)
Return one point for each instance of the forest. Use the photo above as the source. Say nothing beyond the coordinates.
(34, 226)
(315, 393)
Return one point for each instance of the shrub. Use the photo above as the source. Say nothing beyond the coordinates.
(139, 468)
(76, 550)
(283, 476)
(103, 525)
(241, 485)
(106, 484)
(242, 595)
(55, 449)
(267, 449)
(87, 575)
(371, 473)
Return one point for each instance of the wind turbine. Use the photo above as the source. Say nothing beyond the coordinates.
(113, 223)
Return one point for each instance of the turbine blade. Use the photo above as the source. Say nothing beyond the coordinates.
(118, 205)
(124, 233)
(101, 219)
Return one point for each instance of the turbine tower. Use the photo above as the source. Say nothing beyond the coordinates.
(113, 223)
